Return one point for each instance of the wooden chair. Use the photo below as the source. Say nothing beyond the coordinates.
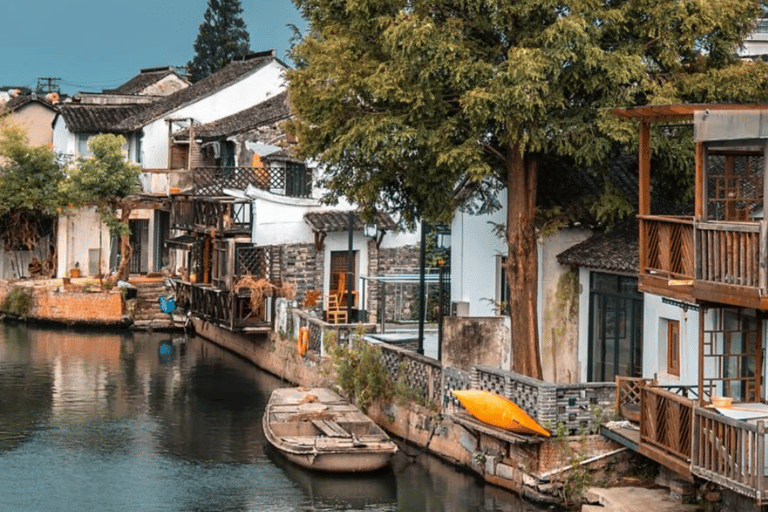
(333, 311)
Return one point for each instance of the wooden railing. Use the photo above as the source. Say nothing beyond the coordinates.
(226, 308)
(223, 215)
(665, 421)
(730, 453)
(669, 250)
(732, 253)
(290, 180)
(628, 396)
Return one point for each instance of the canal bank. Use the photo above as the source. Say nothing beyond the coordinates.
(550, 470)
(88, 302)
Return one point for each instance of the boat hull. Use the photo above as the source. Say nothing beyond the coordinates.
(317, 429)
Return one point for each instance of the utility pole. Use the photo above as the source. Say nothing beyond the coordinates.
(47, 84)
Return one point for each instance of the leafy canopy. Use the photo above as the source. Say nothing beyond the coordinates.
(29, 176)
(403, 99)
(221, 37)
(106, 180)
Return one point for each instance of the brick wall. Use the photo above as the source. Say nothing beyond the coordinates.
(302, 266)
(398, 260)
(74, 307)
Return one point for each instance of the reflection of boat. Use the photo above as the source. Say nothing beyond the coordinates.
(498, 411)
(317, 429)
(358, 491)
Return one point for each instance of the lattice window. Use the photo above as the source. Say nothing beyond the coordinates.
(731, 344)
(734, 186)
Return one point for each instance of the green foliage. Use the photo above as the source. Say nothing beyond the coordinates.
(401, 100)
(106, 180)
(19, 301)
(360, 370)
(29, 176)
(221, 37)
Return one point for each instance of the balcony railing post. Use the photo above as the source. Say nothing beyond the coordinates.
(763, 269)
(760, 458)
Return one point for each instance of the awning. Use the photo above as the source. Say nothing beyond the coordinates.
(184, 242)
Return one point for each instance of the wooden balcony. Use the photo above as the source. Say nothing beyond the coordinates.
(225, 215)
(717, 262)
(227, 308)
(730, 453)
(694, 441)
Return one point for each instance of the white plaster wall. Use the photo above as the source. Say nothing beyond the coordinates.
(655, 341)
(63, 140)
(253, 89)
(77, 234)
(474, 251)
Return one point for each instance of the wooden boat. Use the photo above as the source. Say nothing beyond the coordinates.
(498, 411)
(317, 429)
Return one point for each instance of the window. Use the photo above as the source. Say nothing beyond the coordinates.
(615, 327)
(673, 347)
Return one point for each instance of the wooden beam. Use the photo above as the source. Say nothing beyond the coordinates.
(644, 191)
(319, 240)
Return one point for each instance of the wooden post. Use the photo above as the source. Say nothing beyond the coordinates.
(760, 457)
(695, 441)
(644, 192)
(700, 166)
(702, 314)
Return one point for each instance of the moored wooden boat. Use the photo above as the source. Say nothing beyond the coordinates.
(498, 411)
(317, 429)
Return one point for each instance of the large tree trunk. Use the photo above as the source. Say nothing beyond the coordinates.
(522, 261)
(123, 271)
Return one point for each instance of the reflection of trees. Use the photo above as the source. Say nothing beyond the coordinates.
(214, 413)
(25, 396)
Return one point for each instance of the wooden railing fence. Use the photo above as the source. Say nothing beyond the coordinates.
(730, 453)
(669, 250)
(732, 253)
(665, 421)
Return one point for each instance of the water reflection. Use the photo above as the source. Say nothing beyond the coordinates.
(132, 421)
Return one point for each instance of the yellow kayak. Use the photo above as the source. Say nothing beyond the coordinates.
(498, 411)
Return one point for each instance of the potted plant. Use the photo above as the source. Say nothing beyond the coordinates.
(75, 272)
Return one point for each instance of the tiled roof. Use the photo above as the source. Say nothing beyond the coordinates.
(615, 250)
(330, 221)
(233, 72)
(97, 118)
(24, 99)
(143, 80)
(267, 111)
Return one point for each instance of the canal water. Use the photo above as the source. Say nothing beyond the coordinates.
(155, 422)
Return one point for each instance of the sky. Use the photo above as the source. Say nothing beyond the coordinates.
(99, 44)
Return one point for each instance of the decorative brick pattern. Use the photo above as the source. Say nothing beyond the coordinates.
(574, 405)
(419, 373)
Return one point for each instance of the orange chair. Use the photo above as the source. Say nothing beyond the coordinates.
(333, 311)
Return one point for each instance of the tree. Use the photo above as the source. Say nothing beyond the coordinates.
(109, 182)
(29, 196)
(404, 100)
(221, 37)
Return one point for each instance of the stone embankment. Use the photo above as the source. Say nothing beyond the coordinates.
(83, 301)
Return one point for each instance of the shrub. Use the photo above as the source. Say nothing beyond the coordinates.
(19, 301)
